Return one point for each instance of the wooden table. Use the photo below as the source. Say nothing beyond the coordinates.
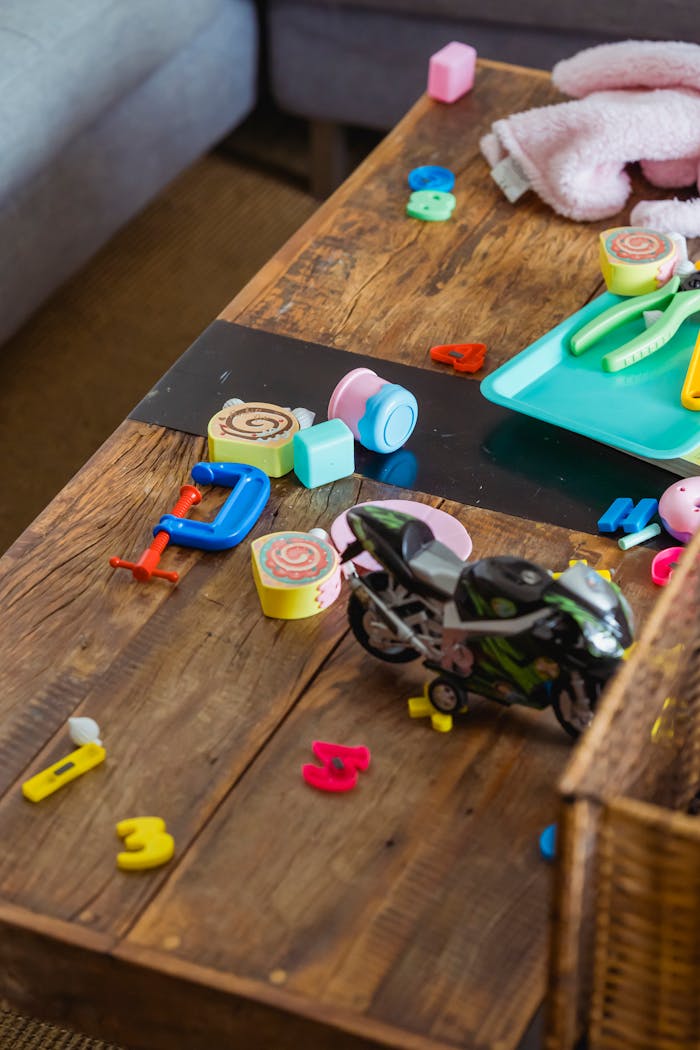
(411, 913)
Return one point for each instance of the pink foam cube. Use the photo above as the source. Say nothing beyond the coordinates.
(451, 72)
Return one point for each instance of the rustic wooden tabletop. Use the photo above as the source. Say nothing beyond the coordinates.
(410, 913)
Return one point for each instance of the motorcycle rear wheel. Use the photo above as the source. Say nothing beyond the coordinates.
(393, 652)
(574, 700)
(446, 696)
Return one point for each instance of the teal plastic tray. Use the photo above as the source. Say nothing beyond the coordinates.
(638, 410)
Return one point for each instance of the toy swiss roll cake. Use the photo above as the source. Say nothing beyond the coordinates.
(635, 260)
(256, 433)
(296, 574)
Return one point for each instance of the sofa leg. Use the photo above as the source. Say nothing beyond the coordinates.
(329, 157)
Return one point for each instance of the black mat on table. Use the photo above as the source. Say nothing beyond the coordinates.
(464, 448)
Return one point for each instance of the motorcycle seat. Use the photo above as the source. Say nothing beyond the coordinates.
(437, 568)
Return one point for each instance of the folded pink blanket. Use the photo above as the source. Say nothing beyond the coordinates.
(636, 101)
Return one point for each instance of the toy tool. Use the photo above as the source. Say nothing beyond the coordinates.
(340, 766)
(296, 574)
(62, 772)
(690, 394)
(147, 843)
(145, 567)
(634, 260)
(464, 357)
(678, 299)
(251, 491)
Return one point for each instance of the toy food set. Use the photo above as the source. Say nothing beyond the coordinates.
(296, 574)
(256, 433)
(634, 260)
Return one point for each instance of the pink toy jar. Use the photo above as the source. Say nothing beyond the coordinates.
(381, 415)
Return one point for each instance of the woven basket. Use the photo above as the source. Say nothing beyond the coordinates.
(625, 959)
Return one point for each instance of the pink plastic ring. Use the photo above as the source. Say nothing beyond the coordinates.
(664, 563)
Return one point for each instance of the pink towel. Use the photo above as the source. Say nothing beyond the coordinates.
(636, 101)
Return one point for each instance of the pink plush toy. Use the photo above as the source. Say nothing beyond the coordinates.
(636, 101)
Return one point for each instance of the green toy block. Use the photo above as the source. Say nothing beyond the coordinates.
(324, 453)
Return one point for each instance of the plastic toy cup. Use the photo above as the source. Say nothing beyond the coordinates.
(381, 415)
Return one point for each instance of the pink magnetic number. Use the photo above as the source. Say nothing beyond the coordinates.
(664, 563)
(339, 769)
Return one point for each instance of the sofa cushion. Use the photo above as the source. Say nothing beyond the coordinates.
(665, 20)
(64, 62)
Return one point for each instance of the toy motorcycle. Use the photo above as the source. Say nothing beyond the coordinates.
(501, 628)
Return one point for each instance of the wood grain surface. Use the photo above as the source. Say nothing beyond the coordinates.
(411, 913)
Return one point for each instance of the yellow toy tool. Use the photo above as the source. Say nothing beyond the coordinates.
(147, 843)
(690, 394)
(635, 261)
(62, 772)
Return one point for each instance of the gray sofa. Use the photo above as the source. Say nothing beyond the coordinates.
(101, 103)
(364, 62)
(104, 101)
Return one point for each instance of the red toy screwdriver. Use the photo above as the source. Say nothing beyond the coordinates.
(145, 567)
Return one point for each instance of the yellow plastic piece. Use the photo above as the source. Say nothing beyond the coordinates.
(421, 707)
(147, 842)
(296, 574)
(256, 433)
(623, 250)
(663, 730)
(62, 772)
(690, 394)
(605, 573)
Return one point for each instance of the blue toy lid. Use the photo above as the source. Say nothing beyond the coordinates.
(431, 177)
(389, 418)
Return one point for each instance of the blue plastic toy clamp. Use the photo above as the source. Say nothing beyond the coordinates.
(389, 418)
(251, 491)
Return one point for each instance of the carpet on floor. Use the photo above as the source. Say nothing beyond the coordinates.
(24, 1033)
(76, 369)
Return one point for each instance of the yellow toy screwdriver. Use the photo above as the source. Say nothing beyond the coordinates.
(62, 772)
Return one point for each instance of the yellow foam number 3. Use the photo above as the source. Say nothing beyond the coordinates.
(431, 205)
(147, 842)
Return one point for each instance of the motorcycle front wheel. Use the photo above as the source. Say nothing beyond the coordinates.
(370, 630)
(574, 700)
